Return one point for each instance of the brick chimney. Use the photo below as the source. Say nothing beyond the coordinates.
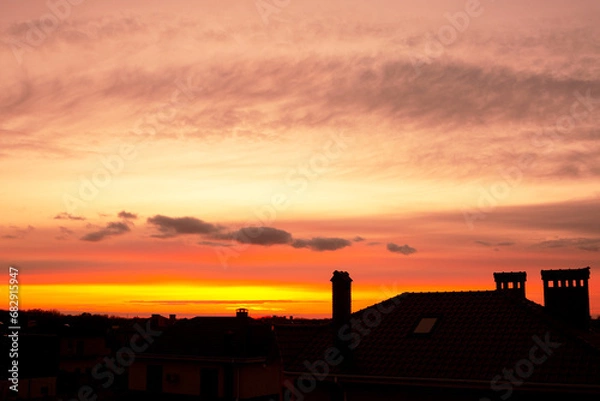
(512, 283)
(341, 298)
(566, 295)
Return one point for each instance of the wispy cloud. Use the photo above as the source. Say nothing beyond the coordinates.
(67, 216)
(215, 243)
(486, 243)
(111, 229)
(578, 216)
(16, 232)
(586, 244)
(65, 233)
(219, 302)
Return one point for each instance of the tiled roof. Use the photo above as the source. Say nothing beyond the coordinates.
(476, 336)
(292, 338)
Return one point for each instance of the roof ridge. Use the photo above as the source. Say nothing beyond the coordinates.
(410, 293)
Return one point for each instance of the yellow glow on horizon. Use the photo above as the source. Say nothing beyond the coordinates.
(165, 298)
(203, 299)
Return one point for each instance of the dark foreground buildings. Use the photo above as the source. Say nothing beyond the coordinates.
(471, 345)
(468, 345)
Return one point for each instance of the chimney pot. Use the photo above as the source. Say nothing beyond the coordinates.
(566, 295)
(511, 283)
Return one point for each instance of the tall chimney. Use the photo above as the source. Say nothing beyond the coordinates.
(341, 298)
(566, 295)
(511, 283)
(341, 284)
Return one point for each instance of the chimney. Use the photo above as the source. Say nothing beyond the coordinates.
(341, 298)
(241, 313)
(566, 295)
(512, 283)
(341, 310)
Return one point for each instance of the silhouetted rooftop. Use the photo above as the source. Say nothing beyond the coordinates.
(292, 338)
(214, 337)
(469, 336)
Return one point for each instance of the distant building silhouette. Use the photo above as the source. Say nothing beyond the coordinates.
(209, 358)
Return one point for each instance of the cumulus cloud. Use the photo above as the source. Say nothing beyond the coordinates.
(258, 236)
(174, 226)
(404, 249)
(111, 229)
(358, 238)
(67, 216)
(126, 215)
(322, 243)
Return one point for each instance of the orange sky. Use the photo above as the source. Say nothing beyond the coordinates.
(419, 147)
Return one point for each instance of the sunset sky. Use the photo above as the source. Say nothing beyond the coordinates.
(193, 157)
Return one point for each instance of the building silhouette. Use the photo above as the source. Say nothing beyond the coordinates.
(209, 358)
(464, 345)
(449, 345)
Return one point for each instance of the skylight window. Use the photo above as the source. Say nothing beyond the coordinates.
(425, 325)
